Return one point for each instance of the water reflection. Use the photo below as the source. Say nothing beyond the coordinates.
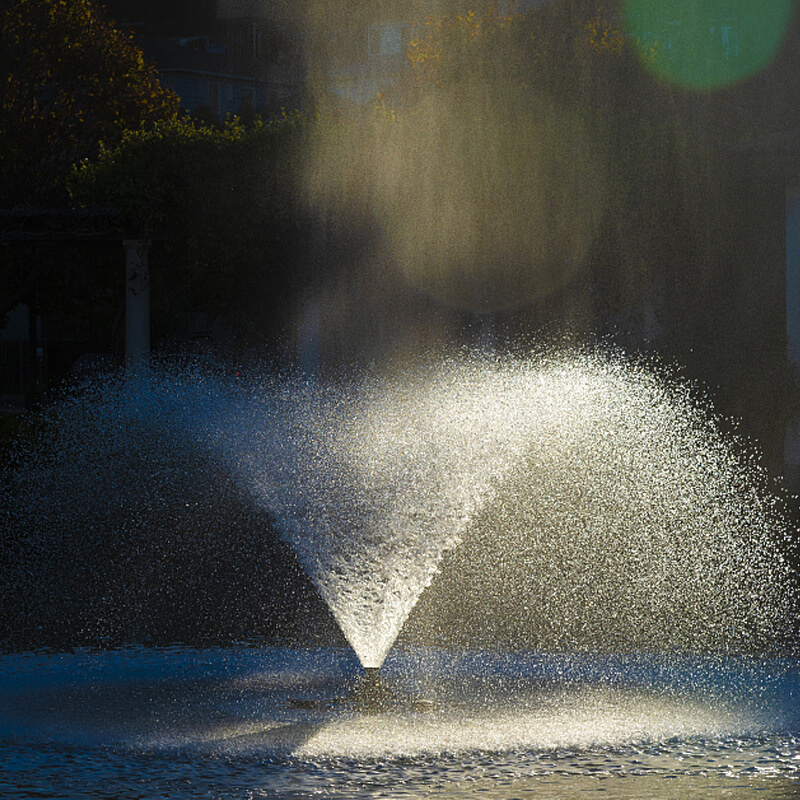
(640, 787)
(261, 722)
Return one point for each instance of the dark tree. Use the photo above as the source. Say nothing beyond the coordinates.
(70, 79)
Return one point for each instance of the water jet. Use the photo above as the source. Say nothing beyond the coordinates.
(620, 568)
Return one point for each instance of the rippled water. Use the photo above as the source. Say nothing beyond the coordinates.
(250, 722)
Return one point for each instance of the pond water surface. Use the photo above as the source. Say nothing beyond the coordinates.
(261, 722)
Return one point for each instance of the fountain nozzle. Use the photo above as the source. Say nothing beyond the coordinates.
(371, 694)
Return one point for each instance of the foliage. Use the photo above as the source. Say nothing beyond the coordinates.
(154, 174)
(219, 204)
(494, 45)
(68, 79)
(450, 43)
(601, 34)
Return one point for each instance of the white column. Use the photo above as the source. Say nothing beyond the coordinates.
(137, 302)
(308, 337)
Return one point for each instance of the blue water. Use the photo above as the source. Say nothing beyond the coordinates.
(251, 722)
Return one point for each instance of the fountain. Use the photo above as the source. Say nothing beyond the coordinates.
(568, 576)
(375, 481)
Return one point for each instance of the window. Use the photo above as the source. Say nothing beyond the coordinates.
(730, 41)
(388, 40)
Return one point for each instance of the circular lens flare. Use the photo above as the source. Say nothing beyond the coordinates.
(489, 203)
(707, 44)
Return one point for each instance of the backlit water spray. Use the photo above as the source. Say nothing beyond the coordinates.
(602, 509)
(373, 480)
(583, 579)
(570, 502)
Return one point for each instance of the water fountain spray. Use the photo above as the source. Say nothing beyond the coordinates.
(569, 501)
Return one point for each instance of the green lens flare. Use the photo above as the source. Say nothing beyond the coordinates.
(706, 44)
